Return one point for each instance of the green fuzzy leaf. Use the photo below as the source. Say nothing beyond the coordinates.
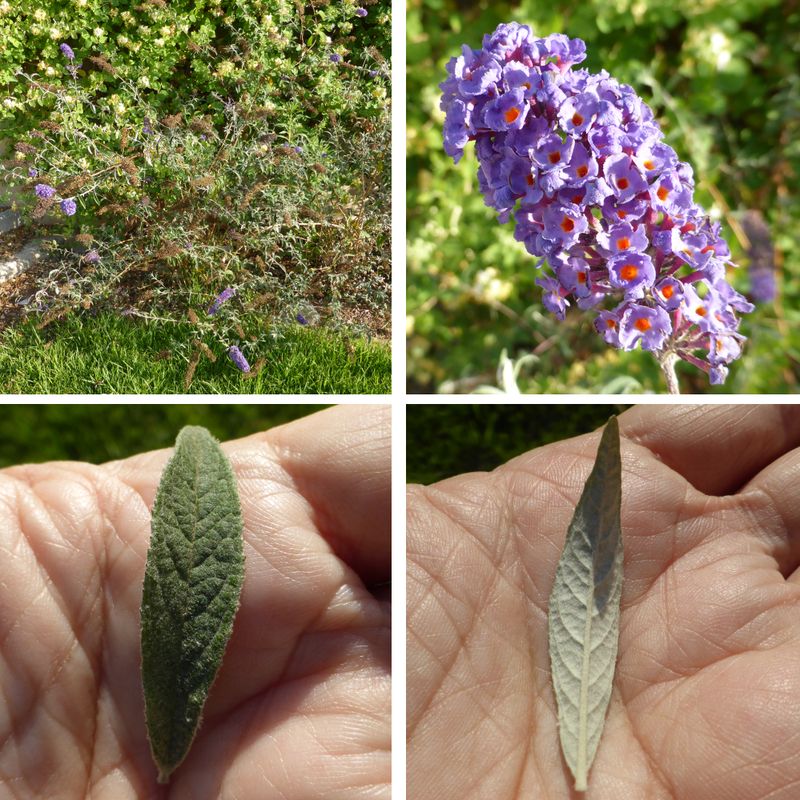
(583, 616)
(193, 577)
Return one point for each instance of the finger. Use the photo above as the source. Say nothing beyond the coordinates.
(770, 501)
(716, 448)
(340, 461)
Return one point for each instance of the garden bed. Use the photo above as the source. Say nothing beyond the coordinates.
(229, 197)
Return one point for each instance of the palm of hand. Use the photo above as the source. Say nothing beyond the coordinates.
(300, 707)
(708, 675)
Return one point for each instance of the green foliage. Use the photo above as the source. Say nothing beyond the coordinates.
(109, 354)
(723, 81)
(172, 50)
(234, 154)
(100, 433)
(446, 440)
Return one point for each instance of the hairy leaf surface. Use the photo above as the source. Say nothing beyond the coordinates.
(584, 610)
(193, 577)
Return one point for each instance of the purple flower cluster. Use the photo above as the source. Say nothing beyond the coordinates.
(221, 298)
(237, 356)
(67, 51)
(597, 194)
(45, 192)
(361, 12)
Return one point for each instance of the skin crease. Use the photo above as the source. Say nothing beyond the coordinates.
(300, 709)
(706, 700)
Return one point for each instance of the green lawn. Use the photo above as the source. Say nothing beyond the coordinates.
(108, 354)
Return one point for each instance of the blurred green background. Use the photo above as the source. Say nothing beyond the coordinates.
(446, 440)
(724, 81)
(98, 433)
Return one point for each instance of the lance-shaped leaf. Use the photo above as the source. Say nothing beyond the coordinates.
(584, 610)
(192, 581)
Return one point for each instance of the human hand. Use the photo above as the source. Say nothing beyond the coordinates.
(300, 708)
(706, 700)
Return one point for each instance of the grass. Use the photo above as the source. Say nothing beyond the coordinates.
(108, 354)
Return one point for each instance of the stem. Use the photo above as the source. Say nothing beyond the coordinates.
(667, 363)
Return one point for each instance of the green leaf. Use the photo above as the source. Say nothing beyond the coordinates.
(584, 610)
(192, 581)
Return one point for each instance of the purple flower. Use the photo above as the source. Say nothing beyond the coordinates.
(222, 297)
(577, 113)
(579, 161)
(553, 153)
(67, 51)
(763, 288)
(564, 224)
(507, 111)
(623, 238)
(236, 355)
(607, 325)
(92, 257)
(301, 319)
(669, 293)
(624, 177)
(475, 72)
(44, 191)
(147, 127)
(644, 325)
(69, 207)
(33, 172)
(553, 296)
(335, 58)
(298, 149)
(669, 194)
(582, 166)
(631, 272)
(361, 12)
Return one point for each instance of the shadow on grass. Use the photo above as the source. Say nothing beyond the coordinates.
(108, 354)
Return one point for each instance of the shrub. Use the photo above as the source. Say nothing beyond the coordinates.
(273, 181)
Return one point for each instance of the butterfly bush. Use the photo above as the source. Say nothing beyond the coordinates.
(596, 194)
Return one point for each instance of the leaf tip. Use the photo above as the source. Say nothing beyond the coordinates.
(164, 774)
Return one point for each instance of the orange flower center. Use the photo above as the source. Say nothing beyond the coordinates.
(511, 115)
(567, 225)
(581, 277)
(623, 243)
(577, 119)
(623, 183)
(610, 323)
(642, 324)
(700, 311)
(554, 158)
(662, 193)
(622, 214)
(582, 170)
(668, 291)
(629, 272)
(649, 164)
(529, 180)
